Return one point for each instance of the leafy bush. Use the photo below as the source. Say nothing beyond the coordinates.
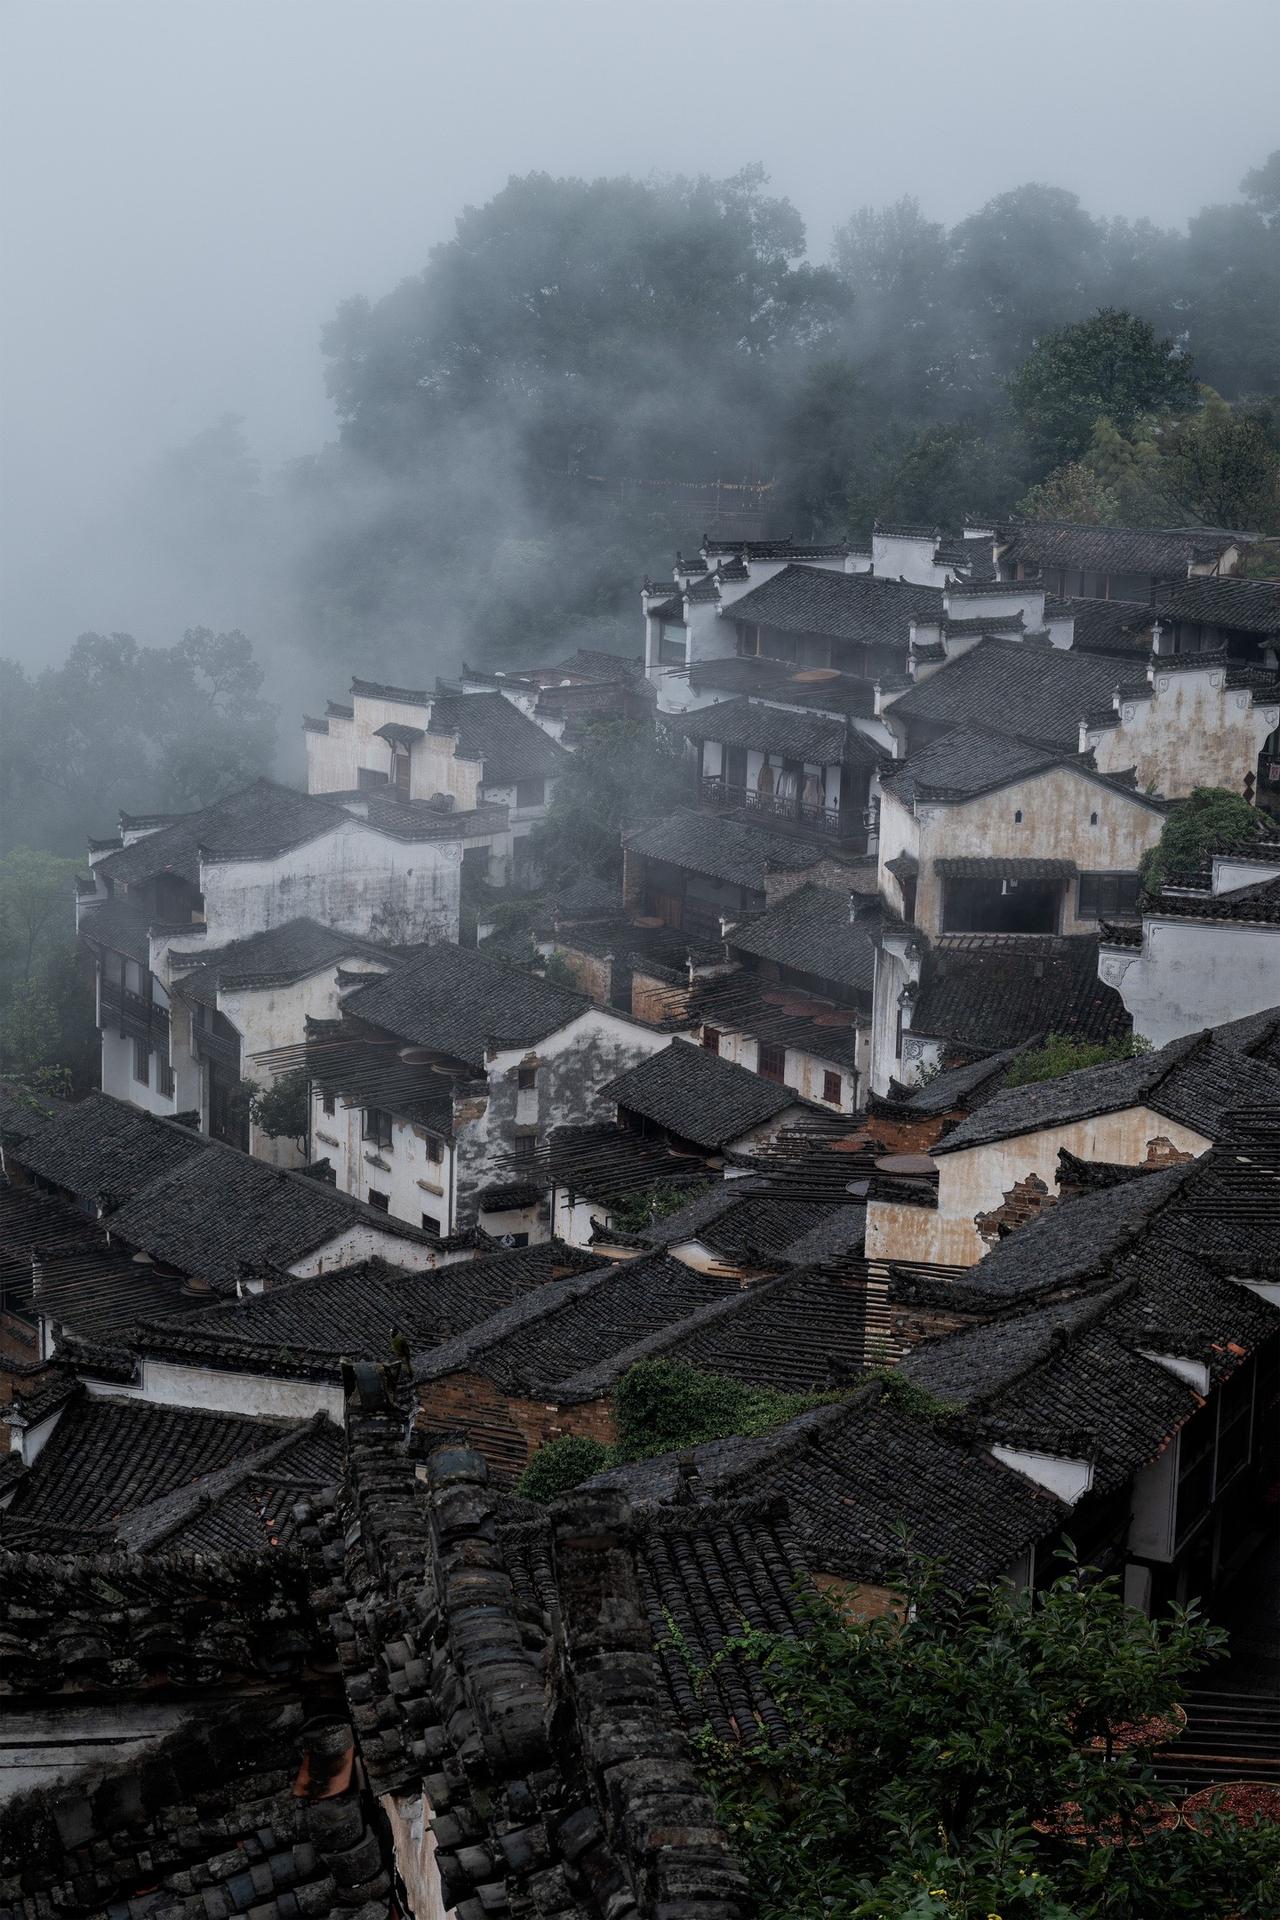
(562, 1464)
(924, 1744)
(660, 1406)
(281, 1109)
(1060, 1054)
(1207, 816)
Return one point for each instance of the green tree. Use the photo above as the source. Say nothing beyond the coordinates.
(1223, 466)
(926, 1745)
(37, 907)
(282, 1109)
(1209, 816)
(1075, 493)
(121, 725)
(624, 773)
(1112, 364)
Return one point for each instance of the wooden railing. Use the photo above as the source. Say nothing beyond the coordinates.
(216, 1048)
(841, 825)
(132, 1012)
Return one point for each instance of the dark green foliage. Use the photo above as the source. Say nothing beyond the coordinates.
(659, 1406)
(1209, 815)
(120, 725)
(633, 1212)
(47, 1036)
(562, 1464)
(1111, 365)
(281, 1109)
(624, 773)
(1059, 1054)
(925, 1743)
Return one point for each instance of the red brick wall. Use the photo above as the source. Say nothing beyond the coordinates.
(505, 1428)
(1023, 1201)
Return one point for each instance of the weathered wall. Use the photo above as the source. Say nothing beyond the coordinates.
(352, 879)
(978, 1180)
(506, 1428)
(1058, 822)
(1191, 974)
(804, 1072)
(1192, 731)
(267, 1396)
(331, 758)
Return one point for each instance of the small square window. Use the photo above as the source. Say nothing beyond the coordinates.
(377, 1127)
(526, 1079)
(431, 1225)
(435, 1150)
(832, 1088)
(329, 1105)
(525, 1146)
(711, 1039)
(530, 793)
(380, 1202)
(142, 1063)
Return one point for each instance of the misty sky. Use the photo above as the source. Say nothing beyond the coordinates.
(190, 186)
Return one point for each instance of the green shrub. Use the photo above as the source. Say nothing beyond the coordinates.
(562, 1464)
(1060, 1054)
(1207, 816)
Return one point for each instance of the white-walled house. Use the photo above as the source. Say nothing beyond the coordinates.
(1190, 720)
(999, 1166)
(439, 1079)
(1112, 563)
(476, 747)
(982, 835)
(263, 860)
(1199, 959)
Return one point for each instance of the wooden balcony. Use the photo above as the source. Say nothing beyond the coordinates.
(832, 823)
(131, 1013)
(217, 1049)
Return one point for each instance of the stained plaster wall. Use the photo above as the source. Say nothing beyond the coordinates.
(1057, 808)
(1192, 731)
(1190, 974)
(976, 1180)
(331, 758)
(268, 1396)
(572, 1066)
(351, 878)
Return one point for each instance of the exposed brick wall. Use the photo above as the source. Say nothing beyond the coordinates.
(911, 1324)
(506, 1429)
(908, 1135)
(591, 974)
(1023, 1201)
(1163, 1153)
(655, 999)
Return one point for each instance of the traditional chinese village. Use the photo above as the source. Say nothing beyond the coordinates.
(640, 1004)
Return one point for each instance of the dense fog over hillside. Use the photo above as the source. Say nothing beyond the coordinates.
(193, 191)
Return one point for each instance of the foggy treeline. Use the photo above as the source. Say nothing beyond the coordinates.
(518, 425)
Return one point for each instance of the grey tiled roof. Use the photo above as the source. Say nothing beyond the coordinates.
(698, 1096)
(966, 762)
(777, 729)
(1248, 606)
(1118, 627)
(992, 991)
(106, 1146)
(261, 820)
(811, 931)
(491, 728)
(308, 1325)
(736, 851)
(221, 1210)
(1078, 1238)
(1111, 549)
(461, 1003)
(1255, 905)
(1194, 1081)
(958, 1087)
(1039, 694)
(561, 1329)
(847, 606)
(820, 689)
(284, 953)
(119, 925)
